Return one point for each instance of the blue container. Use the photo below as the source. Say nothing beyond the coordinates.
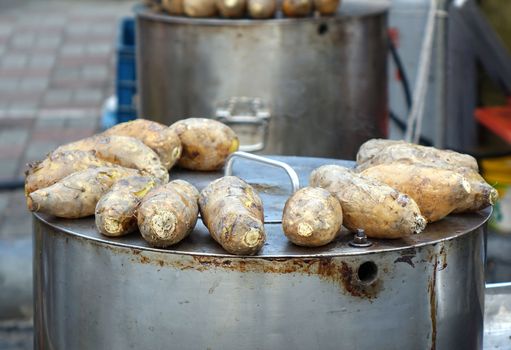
(126, 84)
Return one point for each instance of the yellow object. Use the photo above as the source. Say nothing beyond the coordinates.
(497, 172)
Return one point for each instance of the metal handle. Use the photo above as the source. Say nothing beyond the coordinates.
(295, 182)
(245, 111)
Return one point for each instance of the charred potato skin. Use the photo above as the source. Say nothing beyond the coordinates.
(160, 138)
(437, 192)
(368, 204)
(115, 213)
(233, 213)
(168, 213)
(206, 143)
(76, 195)
(57, 166)
(312, 217)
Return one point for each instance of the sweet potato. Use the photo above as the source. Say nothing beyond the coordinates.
(326, 7)
(368, 204)
(76, 195)
(173, 7)
(297, 8)
(125, 151)
(262, 9)
(481, 196)
(206, 143)
(158, 137)
(231, 8)
(312, 217)
(57, 166)
(168, 213)
(437, 192)
(200, 8)
(233, 213)
(378, 151)
(116, 211)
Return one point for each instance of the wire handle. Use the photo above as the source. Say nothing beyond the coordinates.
(295, 182)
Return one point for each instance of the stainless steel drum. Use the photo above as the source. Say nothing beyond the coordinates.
(311, 86)
(423, 292)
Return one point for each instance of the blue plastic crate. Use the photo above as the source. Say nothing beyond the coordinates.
(126, 84)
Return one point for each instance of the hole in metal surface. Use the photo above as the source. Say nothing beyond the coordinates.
(323, 28)
(367, 272)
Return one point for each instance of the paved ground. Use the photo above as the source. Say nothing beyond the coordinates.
(56, 70)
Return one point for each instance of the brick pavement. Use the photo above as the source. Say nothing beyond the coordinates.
(56, 69)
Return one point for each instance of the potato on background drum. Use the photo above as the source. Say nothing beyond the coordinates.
(437, 192)
(231, 8)
(368, 204)
(57, 166)
(158, 137)
(168, 213)
(312, 217)
(76, 195)
(262, 9)
(173, 7)
(481, 196)
(200, 8)
(297, 8)
(116, 211)
(206, 143)
(126, 151)
(233, 213)
(326, 7)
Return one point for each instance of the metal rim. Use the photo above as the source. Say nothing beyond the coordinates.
(486, 213)
(142, 11)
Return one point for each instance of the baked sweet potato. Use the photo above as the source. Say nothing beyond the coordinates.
(482, 194)
(126, 151)
(76, 195)
(437, 192)
(368, 204)
(173, 7)
(231, 8)
(206, 143)
(158, 137)
(168, 213)
(326, 7)
(262, 9)
(57, 166)
(200, 8)
(312, 217)
(233, 213)
(378, 151)
(297, 8)
(116, 211)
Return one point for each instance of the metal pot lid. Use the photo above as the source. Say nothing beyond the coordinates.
(274, 187)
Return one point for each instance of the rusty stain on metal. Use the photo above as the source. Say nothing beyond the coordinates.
(433, 303)
(406, 256)
(406, 259)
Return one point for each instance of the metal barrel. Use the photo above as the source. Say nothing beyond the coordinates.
(422, 292)
(323, 80)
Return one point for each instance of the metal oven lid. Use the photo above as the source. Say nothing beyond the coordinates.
(274, 187)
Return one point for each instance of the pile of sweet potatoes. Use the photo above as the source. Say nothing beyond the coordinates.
(122, 177)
